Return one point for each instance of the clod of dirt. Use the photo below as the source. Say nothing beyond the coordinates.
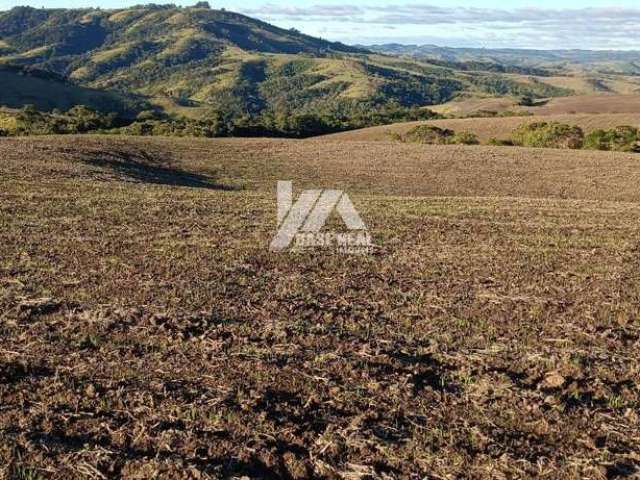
(553, 380)
(39, 306)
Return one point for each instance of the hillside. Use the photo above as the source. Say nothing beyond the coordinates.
(487, 128)
(20, 86)
(591, 104)
(194, 60)
(600, 61)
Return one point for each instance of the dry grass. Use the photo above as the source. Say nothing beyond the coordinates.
(486, 128)
(590, 104)
(147, 331)
(471, 106)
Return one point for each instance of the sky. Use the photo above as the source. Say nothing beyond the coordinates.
(542, 24)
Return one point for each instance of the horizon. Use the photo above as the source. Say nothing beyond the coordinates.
(585, 26)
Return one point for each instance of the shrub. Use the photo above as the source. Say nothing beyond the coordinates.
(526, 101)
(500, 143)
(146, 115)
(430, 135)
(619, 139)
(549, 135)
(463, 138)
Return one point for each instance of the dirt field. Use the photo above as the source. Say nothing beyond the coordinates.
(486, 128)
(148, 332)
(589, 104)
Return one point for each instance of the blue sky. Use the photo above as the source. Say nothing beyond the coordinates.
(544, 24)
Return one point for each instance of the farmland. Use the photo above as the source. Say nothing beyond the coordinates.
(148, 331)
(585, 104)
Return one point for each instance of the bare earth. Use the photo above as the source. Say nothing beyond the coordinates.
(590, 104)
(148, 332)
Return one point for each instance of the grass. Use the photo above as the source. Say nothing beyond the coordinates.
(148, 331)
(105, 56)
(35, 52)
(182, 41)
(591, 104)
(123, 16)
(348, 71)
(8, 120)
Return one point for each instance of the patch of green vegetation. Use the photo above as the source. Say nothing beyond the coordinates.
(500, 142)
(432, 135)
(548, 135)
(464, 138)
(495, 114)
(79, 119)
(21, 86)
(245, 68)
(619, 139)
(496, 85)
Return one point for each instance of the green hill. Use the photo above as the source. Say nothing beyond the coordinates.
(203, 63)
(20, 86)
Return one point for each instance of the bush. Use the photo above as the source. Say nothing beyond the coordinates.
(147, 115)
(463, 138)
(549, 135)
(619, 139)
(429, 135)
(432, 135)
(500, 143)
(526, 101)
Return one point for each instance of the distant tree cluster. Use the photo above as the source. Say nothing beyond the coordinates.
(432, 135)
(560, 135)
(79, 119)
(227, 122)
(619, 139)
(548, 135)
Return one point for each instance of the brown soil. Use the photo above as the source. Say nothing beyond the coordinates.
(148, 332)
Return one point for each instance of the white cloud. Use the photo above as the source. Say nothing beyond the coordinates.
(522, 27)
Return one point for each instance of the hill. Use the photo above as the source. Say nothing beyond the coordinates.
(598, 61)
(242, 76)
(487, 128)
(193, 61)
(591, 104)
(148, 331)
(20, 86)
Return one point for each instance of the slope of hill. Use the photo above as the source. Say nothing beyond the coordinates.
(235, 64)
(592, 104)
(582, 71)
(45, 91)
(198, 54)
(603, 61)
(487, 128)
(247, 77)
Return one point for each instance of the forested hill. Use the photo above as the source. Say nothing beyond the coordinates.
(197, 62)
